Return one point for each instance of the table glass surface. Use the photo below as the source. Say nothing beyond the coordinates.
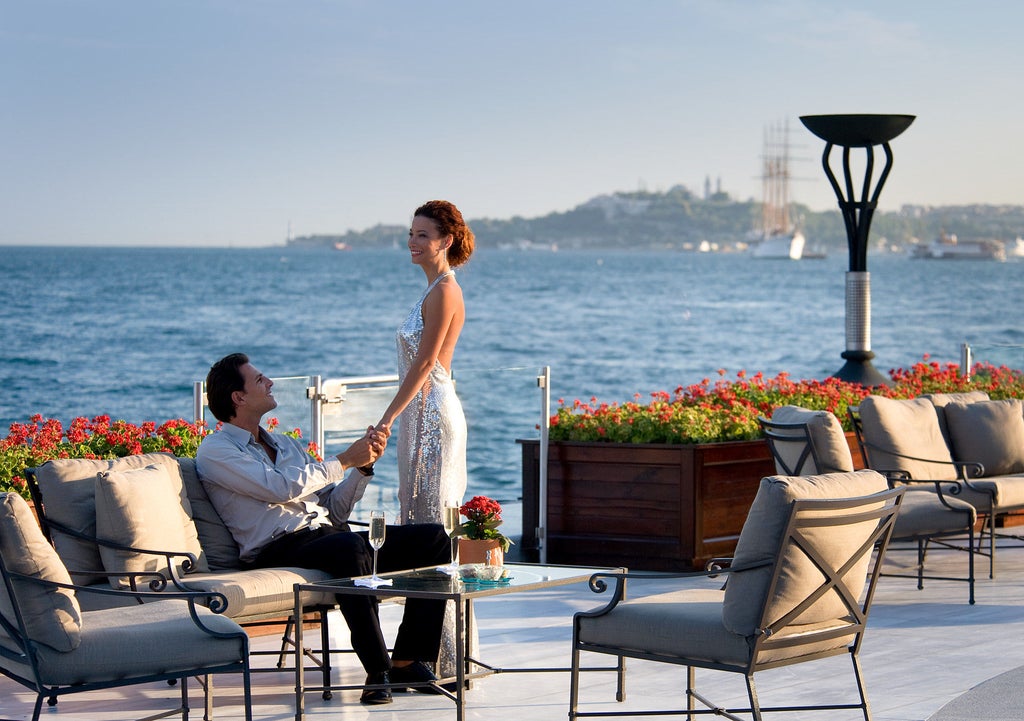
(431, 582)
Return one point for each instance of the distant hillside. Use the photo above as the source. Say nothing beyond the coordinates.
(681, 220)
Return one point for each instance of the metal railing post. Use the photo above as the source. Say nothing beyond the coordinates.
(197, 401)
(544, 383)
(966, 361)
(316, 412)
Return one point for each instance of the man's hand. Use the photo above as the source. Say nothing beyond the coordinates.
(365, 451)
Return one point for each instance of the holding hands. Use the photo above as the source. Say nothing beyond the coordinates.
(365, 451)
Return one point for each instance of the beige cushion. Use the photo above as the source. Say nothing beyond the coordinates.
(760, 540)
(136, 640)
(910, 428)
(218, 544)
(941, 400)
(51, 615)
(68, 486)
(142, 508)
(827, 435)
(257, 592)
(989, 432)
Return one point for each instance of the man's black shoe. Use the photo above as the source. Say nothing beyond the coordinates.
(376, 696)
(417, 672)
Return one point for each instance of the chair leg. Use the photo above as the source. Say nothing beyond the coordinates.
(921, 551)
(689, 693)
(285, 641)
(864, 706)
(325, 655)
(574, 681)
(620, 679)
(755, 707)
(970, 567)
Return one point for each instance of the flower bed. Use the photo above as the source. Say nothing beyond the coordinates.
(31, 444)
(727, 410)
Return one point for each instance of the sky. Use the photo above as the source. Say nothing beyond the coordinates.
(235, 122)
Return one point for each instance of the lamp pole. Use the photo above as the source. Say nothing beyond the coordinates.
(858, 131)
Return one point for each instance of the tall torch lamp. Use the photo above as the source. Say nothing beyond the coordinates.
(858, 131)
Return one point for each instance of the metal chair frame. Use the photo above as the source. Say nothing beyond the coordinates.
(771, 634)
(22, 649)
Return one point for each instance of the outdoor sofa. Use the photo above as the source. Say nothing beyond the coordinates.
(146, 521)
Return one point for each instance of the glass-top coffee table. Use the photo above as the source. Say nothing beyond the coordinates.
(432, 583)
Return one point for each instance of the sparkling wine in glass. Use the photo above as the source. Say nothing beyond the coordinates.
(451, 522)
(377, 532)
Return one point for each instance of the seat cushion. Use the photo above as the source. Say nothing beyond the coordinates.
(68, 486)
(828, 437)
(907, 428)
(51, 615)
(143, 508)
(760, 539)
(139, 640)
(923, 515)
(687, 625)
(256, 592)
(989, 432)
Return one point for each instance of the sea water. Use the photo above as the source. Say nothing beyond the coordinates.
(127, 331)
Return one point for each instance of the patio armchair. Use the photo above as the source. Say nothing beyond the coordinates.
(808, 442)
(963, 442)
(51, 646)
(799, 589)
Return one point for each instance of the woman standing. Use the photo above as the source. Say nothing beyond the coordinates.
(432, 427)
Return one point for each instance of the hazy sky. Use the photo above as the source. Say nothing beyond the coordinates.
(225, 122)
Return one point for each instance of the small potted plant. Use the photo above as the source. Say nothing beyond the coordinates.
(479, 533)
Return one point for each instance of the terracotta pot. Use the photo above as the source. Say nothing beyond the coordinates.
(475, 551)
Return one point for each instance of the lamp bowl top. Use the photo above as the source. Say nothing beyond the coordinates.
(857, 131)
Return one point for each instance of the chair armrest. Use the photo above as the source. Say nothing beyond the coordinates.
(217, 602)
(170, 573)
(598, 582)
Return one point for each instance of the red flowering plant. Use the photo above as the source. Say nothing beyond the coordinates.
(727, 410)
(41, 439)
(483, 516)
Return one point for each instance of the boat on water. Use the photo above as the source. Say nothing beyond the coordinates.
(949, 247)
(778, 236)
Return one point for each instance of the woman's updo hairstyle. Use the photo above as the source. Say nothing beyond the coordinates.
(449, 222)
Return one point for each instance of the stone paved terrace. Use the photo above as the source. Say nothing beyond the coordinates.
(923, 650)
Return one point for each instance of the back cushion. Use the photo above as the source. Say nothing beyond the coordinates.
(52, 615)
(143, 508)
(827, 435)
(990, 432)
(69, 486)
(910, 428)
(218, 544)
(760, 539)
(941, 400)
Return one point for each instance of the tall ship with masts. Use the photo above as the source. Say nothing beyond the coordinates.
(778, 236)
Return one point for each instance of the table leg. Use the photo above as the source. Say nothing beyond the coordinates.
(461, 664)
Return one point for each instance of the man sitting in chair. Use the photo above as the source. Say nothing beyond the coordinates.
(284, 508)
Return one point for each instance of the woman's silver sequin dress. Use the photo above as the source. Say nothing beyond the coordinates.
(431, 433)
(431, 451)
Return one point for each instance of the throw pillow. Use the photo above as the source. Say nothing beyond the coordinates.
(895, 429)
(989, 432)
(141, 508)
(52, 615)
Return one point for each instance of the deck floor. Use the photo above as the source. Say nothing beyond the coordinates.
(923, 649)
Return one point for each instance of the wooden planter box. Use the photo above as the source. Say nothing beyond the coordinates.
(651, 507)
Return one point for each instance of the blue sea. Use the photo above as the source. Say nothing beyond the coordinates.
(127, 331)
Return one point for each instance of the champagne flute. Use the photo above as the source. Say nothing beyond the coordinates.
(377, 532)
(451, 522)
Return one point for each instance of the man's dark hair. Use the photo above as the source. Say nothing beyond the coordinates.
(224, 379)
